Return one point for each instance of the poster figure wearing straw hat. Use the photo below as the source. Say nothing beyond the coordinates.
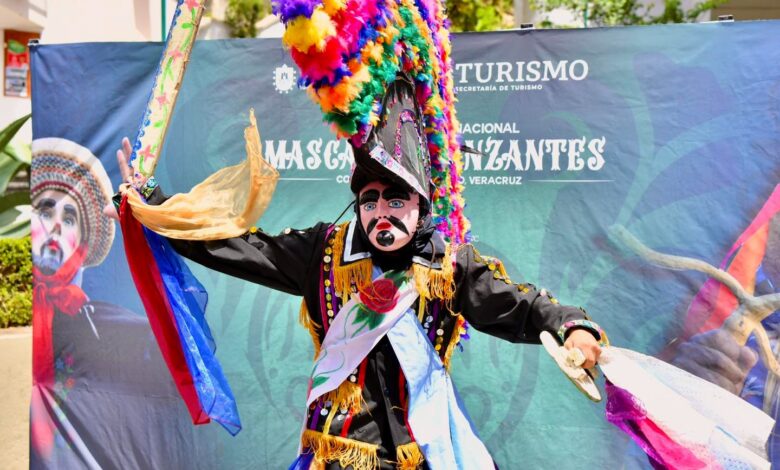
(86, 352)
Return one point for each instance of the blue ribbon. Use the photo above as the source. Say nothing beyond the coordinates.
(188, 299)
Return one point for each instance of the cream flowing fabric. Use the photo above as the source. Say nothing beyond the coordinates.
(224, 205)
(707, 419)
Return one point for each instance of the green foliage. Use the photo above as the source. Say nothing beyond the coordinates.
(624, 12)
(16, 286)
(15, 308)
(15, 215)
(480, 15)
(11, 130)
(241, 16)
(14, 157)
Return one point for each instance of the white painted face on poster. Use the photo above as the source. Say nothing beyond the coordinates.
(55, 229)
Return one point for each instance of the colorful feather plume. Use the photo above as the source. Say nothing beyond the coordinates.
(348, 51)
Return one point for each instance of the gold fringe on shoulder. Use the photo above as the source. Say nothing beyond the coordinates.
(306, 321)
(326, 448)
(454, 340)
(409, 456)
(347, 395)
(358, 272)
(435, 283)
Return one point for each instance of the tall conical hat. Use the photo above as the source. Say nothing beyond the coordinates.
(351, 51)
(396, 147)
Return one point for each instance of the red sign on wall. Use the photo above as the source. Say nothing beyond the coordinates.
(16, 62)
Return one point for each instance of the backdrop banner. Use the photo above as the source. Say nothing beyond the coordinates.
(669, 133)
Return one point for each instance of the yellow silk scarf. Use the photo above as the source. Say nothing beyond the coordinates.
(224, 205)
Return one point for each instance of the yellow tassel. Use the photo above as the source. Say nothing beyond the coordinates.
(305, 320)
(435, 283)
(358, 272)
(454, 340)
(302, 33)
(422, 303)
(329, 420)
(347, 395)
(409, 456)
(360, 455)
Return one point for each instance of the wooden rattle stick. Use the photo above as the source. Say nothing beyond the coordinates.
(578, 376)
(170, 73)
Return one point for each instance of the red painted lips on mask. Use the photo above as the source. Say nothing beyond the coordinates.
(384, 225)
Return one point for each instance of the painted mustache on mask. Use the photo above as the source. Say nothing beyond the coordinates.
(392, 219)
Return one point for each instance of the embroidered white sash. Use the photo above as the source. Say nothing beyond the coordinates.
(358, 327)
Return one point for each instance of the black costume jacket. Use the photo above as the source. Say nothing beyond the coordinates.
(363, 423)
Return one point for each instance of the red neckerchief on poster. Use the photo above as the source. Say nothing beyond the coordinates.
(53, 293)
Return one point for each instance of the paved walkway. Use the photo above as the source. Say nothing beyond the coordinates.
(16, 373)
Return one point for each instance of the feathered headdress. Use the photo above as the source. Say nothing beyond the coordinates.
(350, 51)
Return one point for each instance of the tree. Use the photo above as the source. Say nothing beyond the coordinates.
(480, 15)
(242, 15)
(624, 12)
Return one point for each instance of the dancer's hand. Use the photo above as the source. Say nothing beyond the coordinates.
(716, 357)
(587, 343)
(126, 171)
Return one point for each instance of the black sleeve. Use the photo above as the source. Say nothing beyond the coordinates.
(279, 262)
(491, 303)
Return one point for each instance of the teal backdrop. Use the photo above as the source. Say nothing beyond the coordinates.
(671, 131)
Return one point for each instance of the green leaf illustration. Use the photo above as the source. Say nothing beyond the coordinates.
(319, 380)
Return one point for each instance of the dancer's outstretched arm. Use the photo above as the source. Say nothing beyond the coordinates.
(279, 262)
(516, 312)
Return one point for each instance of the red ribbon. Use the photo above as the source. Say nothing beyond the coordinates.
(53, 292)
(149, 283)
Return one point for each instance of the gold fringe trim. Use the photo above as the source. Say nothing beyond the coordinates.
(360, 455)
(316, 465)
(329, 420)
(358, 272)
(454, 340)
(409, 456)
(347, 395)
(306, 321)
(421, 305)
(435, 283)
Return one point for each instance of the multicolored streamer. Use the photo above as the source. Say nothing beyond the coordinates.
(680, 420)
(174, 300)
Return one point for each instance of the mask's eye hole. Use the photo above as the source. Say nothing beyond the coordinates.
(369, 206)
(396, 204)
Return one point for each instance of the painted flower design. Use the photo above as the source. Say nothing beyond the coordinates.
(379, 298)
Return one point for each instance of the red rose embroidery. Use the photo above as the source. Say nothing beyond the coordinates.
(381, 296)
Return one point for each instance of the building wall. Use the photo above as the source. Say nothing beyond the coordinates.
(68, 21)
(102, 20)
(749, 9)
